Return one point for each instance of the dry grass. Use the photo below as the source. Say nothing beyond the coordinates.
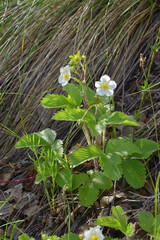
(37, 38)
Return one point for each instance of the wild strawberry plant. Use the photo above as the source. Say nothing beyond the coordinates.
(93, 112)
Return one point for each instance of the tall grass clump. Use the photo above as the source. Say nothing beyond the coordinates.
(37, 36)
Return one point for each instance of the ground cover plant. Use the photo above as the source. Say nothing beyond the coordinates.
(112, 35)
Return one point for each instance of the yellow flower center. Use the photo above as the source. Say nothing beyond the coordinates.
(94, 237)
(65, 76)
(105, 86)
(77, 59)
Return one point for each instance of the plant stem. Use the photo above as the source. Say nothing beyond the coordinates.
(113, 127)
(156, 208)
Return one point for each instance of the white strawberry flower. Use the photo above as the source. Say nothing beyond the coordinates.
(93, 234)
(105, 86)
(65, 75)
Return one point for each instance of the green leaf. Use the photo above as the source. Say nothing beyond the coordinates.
(120, 222)
(118, 118)
(134, 172)
(108, 222)
(74, 94)
(43, 138)
(93, 129)
(56, 101)
(47, 237)
(91, 95)
(74, 114)
(100, 126)
(70, 236)
(46, 169)
(122, 146)
(84, 154)
(121, 217)
(147, 147)
(39, 177)
(88, 194)
(114, 158)
(146, 221)
(71, 181)
(57, 147)
(130, 230)
(24, 236)
(79, 179)
(112, 170)
(100, 180)
(64, 178)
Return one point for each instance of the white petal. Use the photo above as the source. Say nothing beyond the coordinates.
(87, 234)
(105, 79)
(60, 79)
(98, 228)
(65, 69)
(98, 84)
(108, 92)
(62, 70)
(100, 91)
(64, 83)
(112, 85)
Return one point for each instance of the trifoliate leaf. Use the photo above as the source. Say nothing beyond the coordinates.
(88, 194)
(70, 236)
(74, 94)
(112, 170)
(146, 221)
(43, 138)
(84, 154)
(100, 180)
(119, 222)
(74, 114)
(147, 147)
(122, 147)
(118, 212)
(134, 172)
(56, 101)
